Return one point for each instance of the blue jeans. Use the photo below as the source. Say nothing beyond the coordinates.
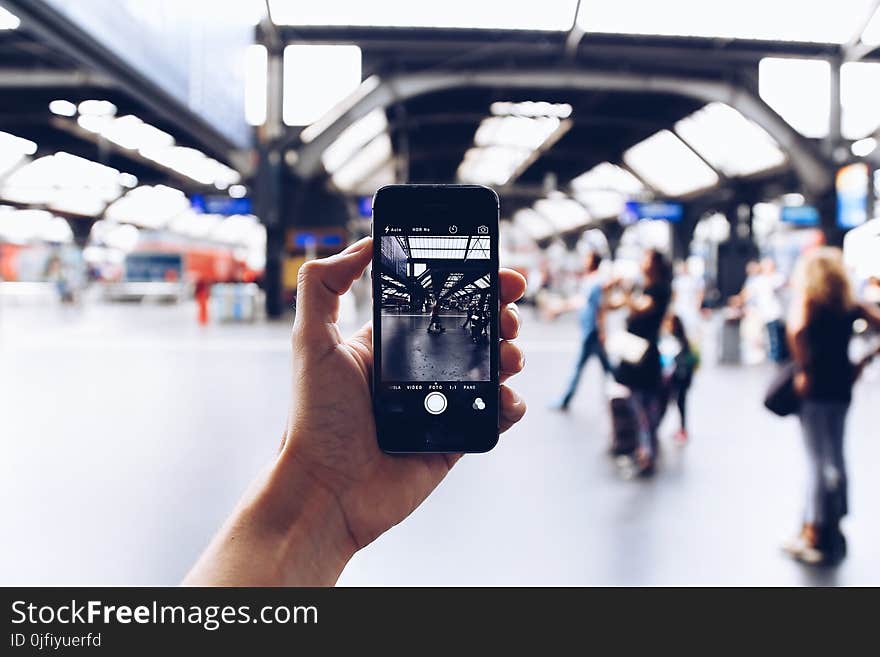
(589, 347)
(823, 424)
(777, 349)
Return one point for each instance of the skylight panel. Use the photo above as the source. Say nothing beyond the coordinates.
(729, 141)
(563, 213)
(779, 20)
(668, 165)
(608, 177)
(799, 90)
(549, 15)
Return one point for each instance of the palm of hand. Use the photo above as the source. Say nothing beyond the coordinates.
(335, 438)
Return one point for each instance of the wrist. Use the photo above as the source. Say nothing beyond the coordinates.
(288, 530)
(304, 522)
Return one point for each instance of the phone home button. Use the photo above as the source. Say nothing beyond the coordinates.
(435, 403)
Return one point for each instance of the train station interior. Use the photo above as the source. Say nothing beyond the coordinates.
(167, 168)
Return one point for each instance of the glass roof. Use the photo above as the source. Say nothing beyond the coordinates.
(667, 164)
(504, 145)
(608, 177)
(461, 247)
(486, 14)
(605, 188)
(515, 131)
(563, 213)
(799, 90)
(729, 141)
(353, 138)
(859, 91)
(778, 20)
(364, 164)
(150, 207)
(534, 223)
(13, 150)
(21, 226)
(64, 182)
(317, 77)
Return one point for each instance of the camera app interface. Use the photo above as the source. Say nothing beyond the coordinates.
(436, 308)
(437, 316)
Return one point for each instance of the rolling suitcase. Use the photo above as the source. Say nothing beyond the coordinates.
(730, 342)
(624, 428)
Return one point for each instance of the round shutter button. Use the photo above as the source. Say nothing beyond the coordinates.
(435, 403)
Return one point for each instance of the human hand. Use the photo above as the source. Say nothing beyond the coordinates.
(801, 384)
(331, 490)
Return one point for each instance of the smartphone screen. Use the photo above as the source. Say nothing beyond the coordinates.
(435, 318)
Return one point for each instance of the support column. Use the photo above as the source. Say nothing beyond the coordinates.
(736, 251)
(269, 207)
(683, 233)
(269, 197)
(834, 139)
(834, 144)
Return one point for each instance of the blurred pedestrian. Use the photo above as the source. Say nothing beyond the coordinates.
(681, 372)
(687, 300)
(644, 377)
(819, 332)
(202, 294)
(762, 294)
(434, 326)
(589, 302)
(59, 275)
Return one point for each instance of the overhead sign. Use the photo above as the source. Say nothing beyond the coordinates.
(800, 215)
(320, 239)
(365, 206)
(655, 210)
(851, 184)
(225, 205)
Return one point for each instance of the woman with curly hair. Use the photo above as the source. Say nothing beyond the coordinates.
(820, 326)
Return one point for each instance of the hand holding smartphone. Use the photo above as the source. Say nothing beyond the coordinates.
(435, 318)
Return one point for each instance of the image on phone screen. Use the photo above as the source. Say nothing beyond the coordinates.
(436, 308)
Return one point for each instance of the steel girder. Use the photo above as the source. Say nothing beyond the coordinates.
(809, 164)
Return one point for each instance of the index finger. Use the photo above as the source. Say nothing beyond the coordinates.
(512, 285)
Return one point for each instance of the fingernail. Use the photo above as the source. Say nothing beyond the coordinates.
(522, 361)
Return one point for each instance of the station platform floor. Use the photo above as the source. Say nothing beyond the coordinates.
(127, 433)
(410, 353)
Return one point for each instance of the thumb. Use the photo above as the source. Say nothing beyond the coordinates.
(320, 283)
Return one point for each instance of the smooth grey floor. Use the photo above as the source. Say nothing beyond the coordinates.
(410, 353)
(128, 432)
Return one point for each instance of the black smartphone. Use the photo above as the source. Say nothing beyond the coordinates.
(435, 318)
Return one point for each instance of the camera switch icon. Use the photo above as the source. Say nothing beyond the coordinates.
(483, 230)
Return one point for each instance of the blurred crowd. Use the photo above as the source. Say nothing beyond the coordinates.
(647, 324)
